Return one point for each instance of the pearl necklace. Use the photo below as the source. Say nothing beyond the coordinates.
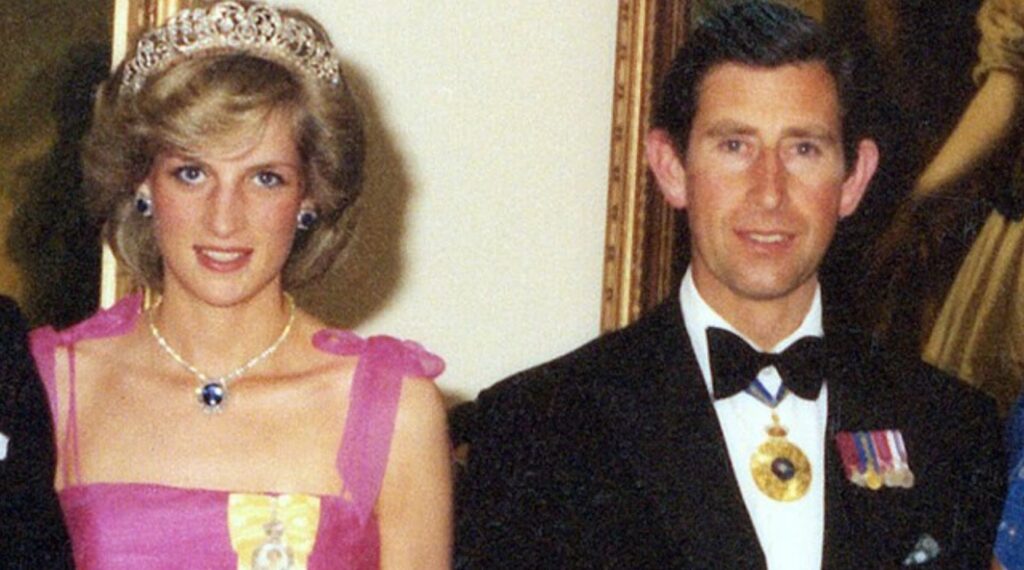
(212, 393)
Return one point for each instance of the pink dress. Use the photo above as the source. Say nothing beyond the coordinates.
(132, 525)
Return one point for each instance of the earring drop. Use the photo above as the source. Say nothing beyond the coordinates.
(144, 205)
(306, 219)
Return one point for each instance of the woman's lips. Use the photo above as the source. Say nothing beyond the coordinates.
(223, 259)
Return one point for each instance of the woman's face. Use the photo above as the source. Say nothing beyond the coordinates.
(225, 220)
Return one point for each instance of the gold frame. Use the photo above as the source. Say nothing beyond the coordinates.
(640, 230)
(131, 17)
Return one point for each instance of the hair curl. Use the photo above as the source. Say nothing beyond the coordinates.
(210, 97)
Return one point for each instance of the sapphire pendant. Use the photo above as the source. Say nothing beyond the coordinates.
(212, 396)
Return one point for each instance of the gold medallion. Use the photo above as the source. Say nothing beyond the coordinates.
(780, 469)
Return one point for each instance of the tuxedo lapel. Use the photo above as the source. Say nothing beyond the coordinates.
(862, 526)
(839, 546)
(670, 432)
(666, 425)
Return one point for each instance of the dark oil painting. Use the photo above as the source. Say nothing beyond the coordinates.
(52, 54)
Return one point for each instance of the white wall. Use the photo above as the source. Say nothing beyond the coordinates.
(485, 209)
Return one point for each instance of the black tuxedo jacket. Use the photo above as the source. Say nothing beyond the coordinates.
(32, 533)
(612, 457)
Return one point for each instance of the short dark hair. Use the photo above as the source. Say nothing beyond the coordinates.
(758, 34)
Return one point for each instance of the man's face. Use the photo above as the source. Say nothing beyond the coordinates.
(763, 181)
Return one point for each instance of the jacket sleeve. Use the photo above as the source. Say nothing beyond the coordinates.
(979, 455)
(32, 532)
(508, 503)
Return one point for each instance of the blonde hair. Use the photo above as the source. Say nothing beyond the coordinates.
(206, 98)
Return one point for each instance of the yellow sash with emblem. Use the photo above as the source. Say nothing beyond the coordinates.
(271, 532)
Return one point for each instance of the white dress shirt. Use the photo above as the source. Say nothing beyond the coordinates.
(791, 533)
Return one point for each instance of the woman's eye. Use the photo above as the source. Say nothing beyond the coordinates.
(189, 174)
(269, 179)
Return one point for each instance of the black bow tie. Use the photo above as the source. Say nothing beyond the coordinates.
(735, 364)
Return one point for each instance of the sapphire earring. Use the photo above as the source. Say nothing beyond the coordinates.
(144, 205)
(306, 219)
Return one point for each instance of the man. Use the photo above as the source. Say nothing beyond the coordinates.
(653, 448)
(32, 533)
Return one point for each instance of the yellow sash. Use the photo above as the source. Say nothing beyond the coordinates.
(250, 514)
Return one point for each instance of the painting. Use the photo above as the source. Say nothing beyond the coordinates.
(53, 53)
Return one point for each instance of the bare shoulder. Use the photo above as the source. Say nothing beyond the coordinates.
(126, 353)
(421, 410)
(420, 458)
(414, 506)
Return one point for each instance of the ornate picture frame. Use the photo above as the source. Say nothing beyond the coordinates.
(131, 18)
(640, 236)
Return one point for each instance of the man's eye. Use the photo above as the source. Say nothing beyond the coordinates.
(189, 174)
(732, 145)
(269, 179)
(807, 149)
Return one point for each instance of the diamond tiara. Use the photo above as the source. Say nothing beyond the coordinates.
(258, 29)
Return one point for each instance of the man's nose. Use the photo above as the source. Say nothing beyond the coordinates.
(768, 187)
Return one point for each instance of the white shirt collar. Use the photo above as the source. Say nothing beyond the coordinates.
(698, 316)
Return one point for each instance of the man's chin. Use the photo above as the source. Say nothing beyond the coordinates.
(774, 288)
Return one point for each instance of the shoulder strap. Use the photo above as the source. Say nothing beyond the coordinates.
(373, 406)
(45, 341)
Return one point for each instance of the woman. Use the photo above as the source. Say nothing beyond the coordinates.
(223, 427)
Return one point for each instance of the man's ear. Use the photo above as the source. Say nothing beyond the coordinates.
(667, 167)
(859, 177)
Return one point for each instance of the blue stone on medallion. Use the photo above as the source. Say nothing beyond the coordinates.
(783, 469)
